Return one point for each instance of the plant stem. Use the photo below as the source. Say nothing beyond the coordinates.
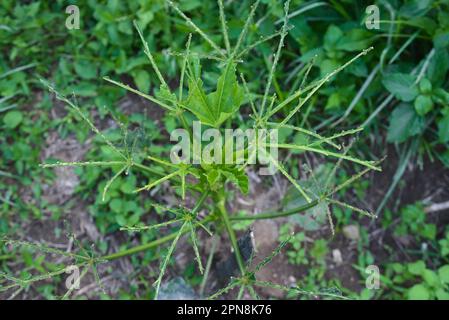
(208, 266)
(161, 174)
(146, 168)
(231, 234)
(274, 215)
(142, 247)
(6, 257)
(185, 125)
(201, 201)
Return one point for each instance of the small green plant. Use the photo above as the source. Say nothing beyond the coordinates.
(297, 254)
(426, 283)
(218, 105)
(444, 245)
(414, 223)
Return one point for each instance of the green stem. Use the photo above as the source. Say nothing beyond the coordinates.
(231, 234)
(274, 215)
(208, 266)
(146, 168)
(161, 174)
(201, 201)
(6, 257)
(185, 124)
(142, 247)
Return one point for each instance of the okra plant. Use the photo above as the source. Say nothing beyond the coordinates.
(207, 184)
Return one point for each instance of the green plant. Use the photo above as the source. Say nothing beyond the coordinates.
(297, 254)
(413, 223)
(218, 108)
(444, 245)
(427, 284)
(298, 251)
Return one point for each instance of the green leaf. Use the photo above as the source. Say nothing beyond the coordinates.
(441, 294)
(404, 123)
(441, 38)
(142, 80)
(415, 8)
(441, 96)
(328, 65)
(116, 205)
(213, 176)
(423, 105)
(216, 177)
(145, 17)
(418, 292)
(12, 119)
(401, 85)
(443, 18)
(355, 40)
(429, 231)
(426, 23)
(334, 101)
(443, 273)
(438, 66)
(237, 177)
(417, 268)
(332, 36)
(229, 95)
(444, 247)
(397, 267)
(430, 277)
(443, 129)
(189, 5)
(198, 104)
(85, 89)
(319, 249)
(314, 218)
(165, 94)
(121, 220)
(213, 109)
(85, 69)
(129, 185)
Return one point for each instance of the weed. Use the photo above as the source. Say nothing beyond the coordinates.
(219, 108)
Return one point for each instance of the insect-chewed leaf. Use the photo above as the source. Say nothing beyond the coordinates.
(213, 109)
